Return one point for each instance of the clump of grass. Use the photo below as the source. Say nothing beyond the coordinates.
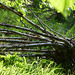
(15, 65)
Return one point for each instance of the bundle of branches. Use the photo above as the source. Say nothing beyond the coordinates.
(44, 42)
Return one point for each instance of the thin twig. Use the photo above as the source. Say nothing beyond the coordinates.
(24, 23)
(19, 33)
(27, 50)
(20, 38)
(33, 45)
(19, 41)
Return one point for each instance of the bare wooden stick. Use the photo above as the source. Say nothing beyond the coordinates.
(24, 23)
(33, 45)
(3, 31)
(19, 41)
(20, 38)
(19, 33)
(27, 50)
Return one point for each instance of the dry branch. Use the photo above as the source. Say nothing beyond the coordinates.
(20, 38)
(27, 50)
(19, 33)
(24, 23)
(19, 41)
(33, 45)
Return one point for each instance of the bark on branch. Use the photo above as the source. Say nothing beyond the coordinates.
(33, 45)
(28, 50)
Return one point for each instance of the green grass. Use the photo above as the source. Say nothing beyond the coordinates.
(15, 65)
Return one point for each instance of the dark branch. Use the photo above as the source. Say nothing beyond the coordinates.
(19, 41)
(27, 50)
(19, 33)
(33, 45)
(24, 23)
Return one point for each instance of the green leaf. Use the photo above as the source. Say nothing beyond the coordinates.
(63, 5)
